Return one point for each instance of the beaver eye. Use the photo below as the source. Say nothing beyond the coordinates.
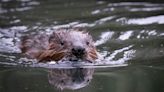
(61, 43)
(87, 43)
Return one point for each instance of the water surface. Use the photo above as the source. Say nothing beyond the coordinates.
(129, 35)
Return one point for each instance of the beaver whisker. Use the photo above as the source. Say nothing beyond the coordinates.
(51, 55)
(57, 56)
(89, 59)
(55, 52)
(93, 56)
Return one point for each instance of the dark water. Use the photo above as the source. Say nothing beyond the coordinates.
(130, 35)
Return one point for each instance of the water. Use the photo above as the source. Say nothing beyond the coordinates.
(128, 35)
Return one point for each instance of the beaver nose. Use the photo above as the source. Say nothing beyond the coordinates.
(78, 51)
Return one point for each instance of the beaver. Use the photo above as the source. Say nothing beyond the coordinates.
(62, 44)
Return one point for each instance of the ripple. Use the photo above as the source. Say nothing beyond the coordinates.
(78, 24)
(8, 45)
(146, 9)
(23, 5)
(125, 35)
(75, 65)
(147, 33)
(133, 4)
(112, 56)
(22, 9)
(10, 38)
(105, 19)
(104, 37)
(67, 64)
(95, 12)
(6, 0)
(148, 20)
(2, 10)
(162, 34)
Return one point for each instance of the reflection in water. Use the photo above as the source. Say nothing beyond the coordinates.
(74, 78)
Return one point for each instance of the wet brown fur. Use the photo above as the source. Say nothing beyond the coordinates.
(45, 47)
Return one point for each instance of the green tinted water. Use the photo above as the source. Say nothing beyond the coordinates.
(124, 32)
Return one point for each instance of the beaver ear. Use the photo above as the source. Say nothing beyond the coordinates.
(54, 36)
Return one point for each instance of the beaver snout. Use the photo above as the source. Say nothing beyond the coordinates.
(79, 52)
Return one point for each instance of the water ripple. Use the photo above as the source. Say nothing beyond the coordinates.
(146, 9)
(148, 20)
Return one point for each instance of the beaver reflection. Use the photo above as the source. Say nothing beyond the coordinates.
(70, 78)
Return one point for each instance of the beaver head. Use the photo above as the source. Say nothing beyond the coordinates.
(72, 45)
(62, 44)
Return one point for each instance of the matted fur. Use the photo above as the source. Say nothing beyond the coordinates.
(58, 45)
